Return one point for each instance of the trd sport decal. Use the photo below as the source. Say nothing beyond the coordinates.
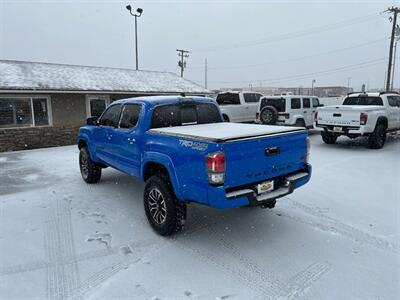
(193, 145)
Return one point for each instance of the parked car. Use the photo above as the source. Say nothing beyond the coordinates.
(185, 153)
(292, 110)
(362, 114)
(238, 106)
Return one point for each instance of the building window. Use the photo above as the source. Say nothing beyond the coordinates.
(96, 104)
(24, 112)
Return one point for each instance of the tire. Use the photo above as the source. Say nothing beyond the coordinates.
(164, 212)
(329, 137)
(377, 139)
(226, 119)
(90, 171)
(269, 115)
(300, 123)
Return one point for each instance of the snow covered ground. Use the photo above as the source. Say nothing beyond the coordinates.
(335, 238)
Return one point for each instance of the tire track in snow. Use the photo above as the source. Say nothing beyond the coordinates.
(62, 278)
(32, 266)
(267, 285)
(121, 262)
(331, 225)
(298, 285)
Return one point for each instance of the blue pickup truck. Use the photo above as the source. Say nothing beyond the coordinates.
(185, 153)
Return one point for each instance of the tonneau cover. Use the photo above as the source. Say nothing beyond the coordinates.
(222, 132)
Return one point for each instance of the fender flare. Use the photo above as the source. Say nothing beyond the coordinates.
(165, 161)
(85, 138)
(382, 119)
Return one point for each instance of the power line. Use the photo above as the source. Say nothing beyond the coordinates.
(295, 59)
(306, 75)
(296, 34)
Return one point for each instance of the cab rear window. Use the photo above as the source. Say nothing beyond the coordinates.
(185, 114)
(363, 101)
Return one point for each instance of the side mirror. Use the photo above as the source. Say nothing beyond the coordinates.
(92, 121)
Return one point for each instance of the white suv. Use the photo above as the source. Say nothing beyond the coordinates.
(238, 106)
(292, 110)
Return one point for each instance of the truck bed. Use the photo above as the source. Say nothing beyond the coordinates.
(224, 132)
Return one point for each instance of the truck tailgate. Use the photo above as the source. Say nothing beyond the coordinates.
(343, 115)
(254, 160)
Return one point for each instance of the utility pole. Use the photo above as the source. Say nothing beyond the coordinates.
(183, 54)
(394, 63)
(205, 73)
(395, 11)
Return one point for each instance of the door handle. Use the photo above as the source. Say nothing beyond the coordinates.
(305, 111)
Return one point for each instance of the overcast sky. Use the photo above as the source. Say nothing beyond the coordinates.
(268, 43)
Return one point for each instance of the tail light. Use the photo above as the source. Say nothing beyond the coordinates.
(257, 115)
(286, 115)
(363, 118)
(308, 150)
(215, 165)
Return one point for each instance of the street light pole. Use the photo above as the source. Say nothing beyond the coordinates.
(138, 13)
(348, 84)
(136, 47)
(312, 87)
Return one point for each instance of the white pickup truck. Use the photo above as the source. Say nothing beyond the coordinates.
(361, 114)
(238, 106)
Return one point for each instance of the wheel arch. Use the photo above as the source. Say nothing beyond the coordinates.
(157, 163)
(225, 117)
(84, 141)
(382, 120)
(299, 118)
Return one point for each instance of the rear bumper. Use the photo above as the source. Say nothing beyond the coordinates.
(346, 130)
(247, 195)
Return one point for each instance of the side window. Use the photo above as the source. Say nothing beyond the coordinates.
(295, 103)
(228, 99)
(130, 116)
(111, 116)
(315, 102)
(306, 102)
(394, 100)
(258, 97)
(251, 97)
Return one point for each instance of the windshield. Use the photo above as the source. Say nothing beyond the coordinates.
(363, 101)
(185, 114)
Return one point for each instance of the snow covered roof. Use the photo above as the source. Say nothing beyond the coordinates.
(21, 75)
